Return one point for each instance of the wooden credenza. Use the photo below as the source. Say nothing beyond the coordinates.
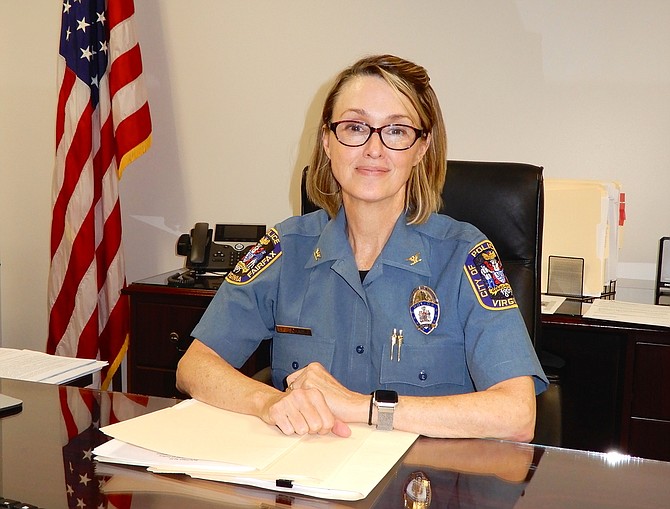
(615, 384)
(161, 320)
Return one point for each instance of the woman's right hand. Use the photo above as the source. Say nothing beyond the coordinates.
(303, 411)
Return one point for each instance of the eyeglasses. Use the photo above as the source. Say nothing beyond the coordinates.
(352, 133)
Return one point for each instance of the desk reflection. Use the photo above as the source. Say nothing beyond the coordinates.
(461, 473)
(46, 461)
(473, 474)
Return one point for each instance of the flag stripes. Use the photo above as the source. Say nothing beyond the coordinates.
(102, 124)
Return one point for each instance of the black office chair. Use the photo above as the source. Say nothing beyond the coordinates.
(506, 202)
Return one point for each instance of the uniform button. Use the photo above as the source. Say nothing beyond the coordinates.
(423, 376)
(295, 365)
(360, 349)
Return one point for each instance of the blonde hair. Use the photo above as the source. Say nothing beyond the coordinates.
(424, 187)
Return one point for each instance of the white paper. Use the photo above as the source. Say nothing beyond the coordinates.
(550, 303)
(41, 367)
(192, 429)
(116, 451)
(629, 312)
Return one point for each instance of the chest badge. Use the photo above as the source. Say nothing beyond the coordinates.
(424, 309)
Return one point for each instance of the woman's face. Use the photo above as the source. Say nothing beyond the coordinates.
(373, 173)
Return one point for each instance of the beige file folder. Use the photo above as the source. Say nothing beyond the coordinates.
(581, 220)
(209, 443)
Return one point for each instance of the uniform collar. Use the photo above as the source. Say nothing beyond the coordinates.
(406, 248)
(333, 243)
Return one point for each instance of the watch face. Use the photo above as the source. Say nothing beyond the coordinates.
(382, 396)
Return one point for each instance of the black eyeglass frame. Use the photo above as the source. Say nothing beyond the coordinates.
(332, 126)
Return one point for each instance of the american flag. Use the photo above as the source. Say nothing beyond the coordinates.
(102, 124)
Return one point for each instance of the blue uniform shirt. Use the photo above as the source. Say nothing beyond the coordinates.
(301, 287)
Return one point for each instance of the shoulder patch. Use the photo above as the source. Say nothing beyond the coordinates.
(485, 273)
(257, 259)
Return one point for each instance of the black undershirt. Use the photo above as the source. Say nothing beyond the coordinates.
(363, 273)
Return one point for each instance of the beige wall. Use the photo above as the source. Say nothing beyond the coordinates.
(580, 87)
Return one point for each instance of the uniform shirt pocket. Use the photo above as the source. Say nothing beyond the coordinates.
(291, 352)
(430, 364)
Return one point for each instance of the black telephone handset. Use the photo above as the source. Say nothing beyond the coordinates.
(201, 236)
(203, 254)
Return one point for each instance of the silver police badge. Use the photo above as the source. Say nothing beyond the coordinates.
(424, 309)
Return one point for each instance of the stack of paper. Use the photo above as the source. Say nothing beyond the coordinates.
(205, 442)
(629, 312)
(41, 367)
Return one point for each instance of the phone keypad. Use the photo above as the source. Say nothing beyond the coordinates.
(230, 255)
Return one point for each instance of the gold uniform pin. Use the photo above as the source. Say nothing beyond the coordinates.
(414, 259)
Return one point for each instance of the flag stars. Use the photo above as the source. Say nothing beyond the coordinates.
(86, 53)
(88, 455)
(80, 503)
(66, 7)
(84, 479)
(103, 46)
(67, 34)
(101, 18)
(82, 25)
(95, 82)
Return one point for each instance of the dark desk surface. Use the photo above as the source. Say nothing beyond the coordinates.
(46, 455)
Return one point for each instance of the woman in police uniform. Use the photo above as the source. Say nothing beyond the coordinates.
(380, 310)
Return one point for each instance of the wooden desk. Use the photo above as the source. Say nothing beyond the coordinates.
(161, 320)
(43, 455)
(615, 385)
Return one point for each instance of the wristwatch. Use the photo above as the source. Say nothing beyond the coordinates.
(385, 401)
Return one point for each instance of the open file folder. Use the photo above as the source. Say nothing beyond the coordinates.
(205, 442)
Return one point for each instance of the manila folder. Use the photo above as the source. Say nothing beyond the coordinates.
(324, 466)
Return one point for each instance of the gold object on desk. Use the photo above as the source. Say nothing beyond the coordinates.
(418, 492)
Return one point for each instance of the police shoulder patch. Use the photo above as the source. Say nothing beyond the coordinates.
(257, 259)
(487, 278)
